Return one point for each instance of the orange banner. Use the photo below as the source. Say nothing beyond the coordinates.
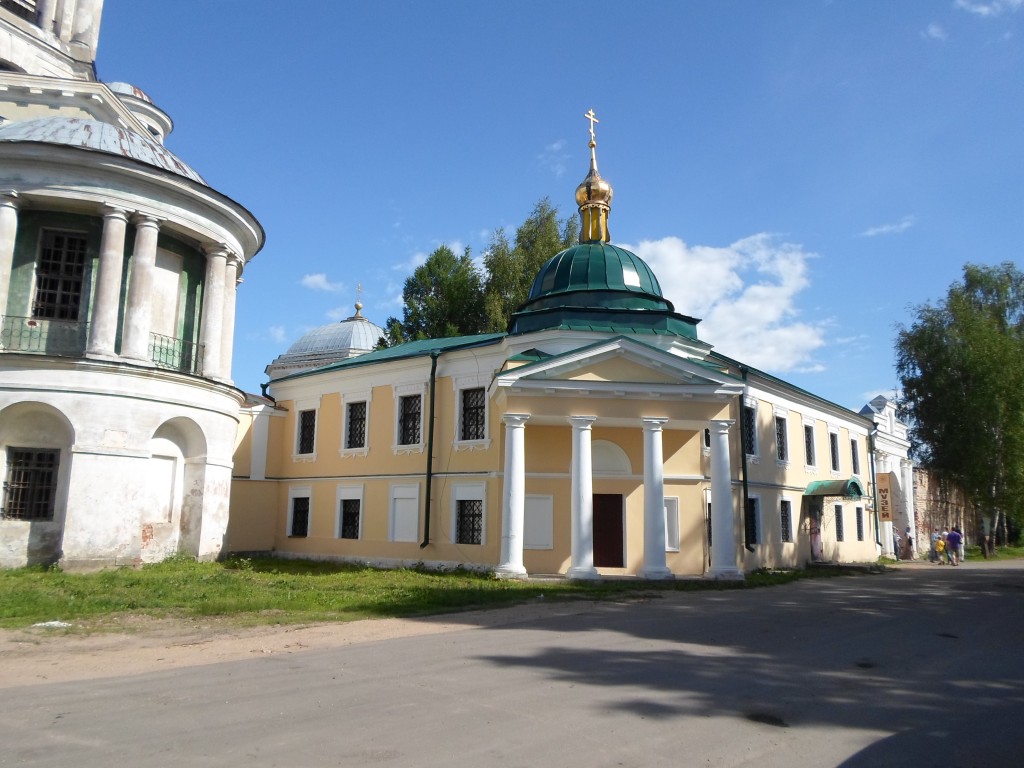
(885, 484)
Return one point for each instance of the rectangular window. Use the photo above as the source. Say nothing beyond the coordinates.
(859, 511)
(473, 424)
(469, 521)
(306, 439)
(538, 530)
(749, 425)
(809, 445)
(355, 425)
(299, 526)
(348, 527)
(405, 505)
(781, 443)
(707, 439)
(786, 519)
(840, 533)
(409, 411)
(30, 487)
(855, 457)
(671, 524)
(833, 450)
(60, 271)
(750, 522)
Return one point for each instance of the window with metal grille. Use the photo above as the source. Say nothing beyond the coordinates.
(300, 517)
(474, 412)
(840, 533)
(60, 271)
(860, 523)
(30, 487)
(470, 522)
(307, 432)
(809, 444)
(749, 422)
(410, 409)
(855, 455)
(350, 518)
(750, 522)
(833, 450)
(781, 443)
(355, 425)
(707, 521)
(707, 438)
(786, 519)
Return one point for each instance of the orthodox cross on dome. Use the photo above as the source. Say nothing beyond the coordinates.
(593, 119)
(359, 299)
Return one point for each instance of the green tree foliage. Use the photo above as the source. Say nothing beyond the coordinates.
(961, 364)
(511, 269)
(443, 297)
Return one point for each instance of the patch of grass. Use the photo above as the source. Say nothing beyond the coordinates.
(283, 591)
(1001, 553)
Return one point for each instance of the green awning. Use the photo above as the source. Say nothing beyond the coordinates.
(850, 489)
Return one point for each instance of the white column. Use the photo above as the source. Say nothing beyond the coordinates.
(8, 236)
(212, 332)
(227, 343)
(908, 501)
(513, 504)
(654, 502)
(582, 508)
(47, 14)
(103, 328)
(723, 516)
(138, 315)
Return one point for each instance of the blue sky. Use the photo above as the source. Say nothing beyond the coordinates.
(798, 173)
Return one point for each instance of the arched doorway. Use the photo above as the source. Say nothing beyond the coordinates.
(171, 515)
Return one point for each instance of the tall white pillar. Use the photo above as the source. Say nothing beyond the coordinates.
(8, 236)
(212, 332)
(582, 508)
(227, 343)
(47, 15)
(723, 516)
(654, 566)
(908, 502)
(103, 327)
(138, 316)
(513, 505)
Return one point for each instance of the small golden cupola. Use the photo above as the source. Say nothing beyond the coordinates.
(594, 197)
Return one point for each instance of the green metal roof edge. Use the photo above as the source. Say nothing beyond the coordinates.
(410, 349)
(819, 398)
(815, 487)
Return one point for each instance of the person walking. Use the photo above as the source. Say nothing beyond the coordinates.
(953, 541)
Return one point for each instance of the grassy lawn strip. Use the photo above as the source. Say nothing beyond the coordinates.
(273, 591)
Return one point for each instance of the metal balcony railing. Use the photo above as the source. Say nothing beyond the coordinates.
(38, 335)
(176, 354)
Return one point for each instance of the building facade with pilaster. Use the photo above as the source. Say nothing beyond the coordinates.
(118, 273)
(599, 436)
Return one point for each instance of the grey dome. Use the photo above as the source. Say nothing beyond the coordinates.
(328, 344)
(97, 136)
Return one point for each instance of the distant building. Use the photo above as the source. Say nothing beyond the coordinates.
(118, 270)
(598, 436)
(893, 471)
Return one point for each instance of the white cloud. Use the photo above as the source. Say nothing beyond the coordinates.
(746, 294)
(934, 32)
(319, 282)
(554, 157)
(890, 229)
(990, 8)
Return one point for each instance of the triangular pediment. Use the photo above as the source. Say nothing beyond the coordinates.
(621, 366)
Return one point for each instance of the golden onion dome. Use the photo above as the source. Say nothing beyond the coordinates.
(594, 197)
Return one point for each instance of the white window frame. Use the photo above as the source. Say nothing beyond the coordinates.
(754, 454)
(758, 521)
(539, 517)
(408, 390)
(835, 457)
(468, 492)
(459, 385)
(854, 456)
(307, 404)
(813, 466)
(839, 522)
(783, 414)
(792, 537)
(298, 492)
(343, 493)
(403, 491)
(364, 396)
(671, 523)
(859, 522)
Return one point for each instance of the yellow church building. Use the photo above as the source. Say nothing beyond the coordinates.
(599, 436)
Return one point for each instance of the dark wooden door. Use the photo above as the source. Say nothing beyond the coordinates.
(608, 543)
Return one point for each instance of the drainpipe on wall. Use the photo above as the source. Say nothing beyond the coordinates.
(874, 485)
(743, 464)
(434, 354)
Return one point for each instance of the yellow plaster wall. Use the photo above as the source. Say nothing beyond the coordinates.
(252, 525)
(242, 456)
